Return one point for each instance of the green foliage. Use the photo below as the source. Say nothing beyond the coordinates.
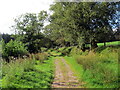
(78, 23)
(77, 51)
(100, 69)
(13, 48)
(6, 37)
(28, 30)
(65, 50)
(54, 52)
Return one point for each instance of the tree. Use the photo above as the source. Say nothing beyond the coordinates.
(56, 29)
(82, 22)
(29, 27)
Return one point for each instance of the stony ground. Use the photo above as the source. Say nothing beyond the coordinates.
(64, 76)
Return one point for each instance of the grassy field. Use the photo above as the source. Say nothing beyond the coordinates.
(113, 43)
(109, 43)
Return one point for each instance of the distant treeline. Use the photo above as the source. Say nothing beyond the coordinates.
(9, 37)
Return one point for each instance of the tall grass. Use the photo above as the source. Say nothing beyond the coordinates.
(100, 69)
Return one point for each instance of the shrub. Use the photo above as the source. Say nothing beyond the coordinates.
(13, 48)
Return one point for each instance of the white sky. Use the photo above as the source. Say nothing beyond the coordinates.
(10, 9)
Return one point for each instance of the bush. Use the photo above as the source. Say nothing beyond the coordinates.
(13, 48)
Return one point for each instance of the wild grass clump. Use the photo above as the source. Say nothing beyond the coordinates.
(100, 69)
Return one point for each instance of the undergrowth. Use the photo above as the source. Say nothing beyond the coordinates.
(28, 73)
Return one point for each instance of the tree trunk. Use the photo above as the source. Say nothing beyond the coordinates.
(104, 44)
(93, 44)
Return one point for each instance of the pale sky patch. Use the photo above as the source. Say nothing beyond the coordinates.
(10, 9)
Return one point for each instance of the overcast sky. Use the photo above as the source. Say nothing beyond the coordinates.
(10, 9)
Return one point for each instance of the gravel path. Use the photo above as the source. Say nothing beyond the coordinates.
(64, 76)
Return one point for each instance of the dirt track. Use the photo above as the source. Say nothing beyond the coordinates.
(64, 76)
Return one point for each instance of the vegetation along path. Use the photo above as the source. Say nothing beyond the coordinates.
(64, 76)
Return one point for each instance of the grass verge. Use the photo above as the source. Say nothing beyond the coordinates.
(100, 69)
(28, 73)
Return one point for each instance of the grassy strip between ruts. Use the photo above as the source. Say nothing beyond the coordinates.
(40, 75)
